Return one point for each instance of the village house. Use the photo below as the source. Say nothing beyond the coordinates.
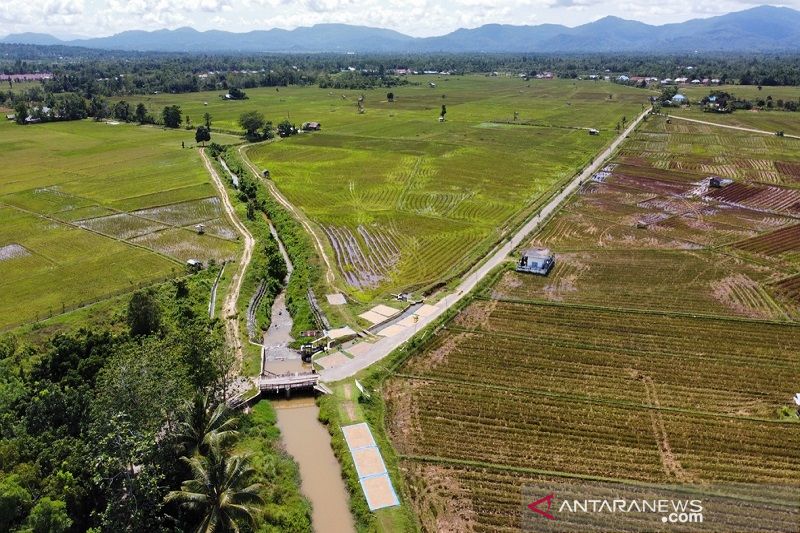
(536, 261)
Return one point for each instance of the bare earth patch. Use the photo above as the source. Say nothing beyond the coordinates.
(12, 251)
(744, 296)
(437, 356)
(439, 500)
(476, 315)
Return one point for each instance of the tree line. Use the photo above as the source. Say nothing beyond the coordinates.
(114, 73)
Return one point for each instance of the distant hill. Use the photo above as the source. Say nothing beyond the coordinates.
(44, 39)
(760, 29)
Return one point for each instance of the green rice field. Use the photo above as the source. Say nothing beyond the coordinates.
(89, 210)
(404, 201)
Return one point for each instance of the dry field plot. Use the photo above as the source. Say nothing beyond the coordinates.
(660, 348)
(671, 280)
(98, 210)
(650, 235)
(558, 390)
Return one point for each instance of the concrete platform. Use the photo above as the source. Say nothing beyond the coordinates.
(336, 298)
(341, 333)
(368, 461)
(385, 310)
(379, 492)
(372, 474)
(358, 435)
(333, 360)
(372, 317)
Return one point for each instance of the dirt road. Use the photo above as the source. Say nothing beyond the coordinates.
(740, 128)
(232, 297)
(299, 216)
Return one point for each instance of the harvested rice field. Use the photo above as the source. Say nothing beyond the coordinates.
(661, 349)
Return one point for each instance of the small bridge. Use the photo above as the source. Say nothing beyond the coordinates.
(291, 381)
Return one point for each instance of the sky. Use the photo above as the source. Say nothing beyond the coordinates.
(420, 18)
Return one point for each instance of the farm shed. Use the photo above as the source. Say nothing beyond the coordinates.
(536, 261)
(679, 99)
(194, 264)
(717, 182)
(11, 117)
(593, 131)
(311, 126)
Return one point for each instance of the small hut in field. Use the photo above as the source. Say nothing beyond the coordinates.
(536, 261)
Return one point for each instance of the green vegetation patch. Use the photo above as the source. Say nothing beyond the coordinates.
(405, 201)
(67, 195)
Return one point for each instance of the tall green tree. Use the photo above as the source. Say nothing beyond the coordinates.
(48, 516)
(141, 113)
(172, 116)
(222, 491)
(286, 128)
(15, 500)
(98, 108)
(251, 122)
(20, 113)
(202, 135)
(122, 111)
(267, 131)
(204, 425)
(207, 120)
(144, 313)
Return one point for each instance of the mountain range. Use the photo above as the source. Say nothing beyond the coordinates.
(759, 29)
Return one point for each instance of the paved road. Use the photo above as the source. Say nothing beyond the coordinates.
(232, 297)
(386, 345)
(740, 128)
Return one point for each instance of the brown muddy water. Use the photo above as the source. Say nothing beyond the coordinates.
(308, 442)
(302, 435)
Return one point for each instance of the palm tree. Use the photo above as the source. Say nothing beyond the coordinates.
(205, 425)
(220, 490)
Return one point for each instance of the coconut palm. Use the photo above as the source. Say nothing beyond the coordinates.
(204, 425)
(221, 491)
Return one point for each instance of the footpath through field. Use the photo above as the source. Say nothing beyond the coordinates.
(381, 348)
(740, 128)
(229, 303)
(296, 213)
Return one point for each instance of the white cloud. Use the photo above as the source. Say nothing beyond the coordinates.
(414, 17)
